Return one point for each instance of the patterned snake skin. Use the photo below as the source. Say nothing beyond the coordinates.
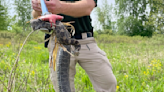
(63, 58)
(63, 62)
(62, 34)
(37, 24)
(64, 37)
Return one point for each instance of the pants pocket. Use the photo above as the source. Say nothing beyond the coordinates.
(102, 52)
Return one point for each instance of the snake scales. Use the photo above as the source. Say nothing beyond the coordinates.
(60, 39)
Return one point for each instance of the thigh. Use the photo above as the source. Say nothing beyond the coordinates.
(94, 61)
(72, 72)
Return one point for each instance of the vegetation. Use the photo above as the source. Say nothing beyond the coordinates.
(3, 16)
(104, 18)
(23, 11)
(133, 44)
(132, 17)
(126, 17)
(137, 63)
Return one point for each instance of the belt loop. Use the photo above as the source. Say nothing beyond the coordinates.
(84, 35)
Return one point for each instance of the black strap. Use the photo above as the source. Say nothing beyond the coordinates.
(46, 37)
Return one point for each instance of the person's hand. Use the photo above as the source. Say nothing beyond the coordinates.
(54, 6)
(36, 5)
(36, 8)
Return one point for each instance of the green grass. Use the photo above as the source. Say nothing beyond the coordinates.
(137, 63)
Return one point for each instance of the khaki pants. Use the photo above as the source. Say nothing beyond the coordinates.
(94, 61)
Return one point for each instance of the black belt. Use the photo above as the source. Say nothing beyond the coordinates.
(79, 36)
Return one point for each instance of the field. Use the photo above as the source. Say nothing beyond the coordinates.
(137, 63)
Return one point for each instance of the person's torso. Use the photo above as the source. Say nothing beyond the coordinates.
(82, 24)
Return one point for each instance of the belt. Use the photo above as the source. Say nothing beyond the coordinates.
(81, 36)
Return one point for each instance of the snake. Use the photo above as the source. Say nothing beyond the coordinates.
(60, 50)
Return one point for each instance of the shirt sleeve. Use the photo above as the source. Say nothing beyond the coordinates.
(96, 3)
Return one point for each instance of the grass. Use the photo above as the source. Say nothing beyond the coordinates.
(137, 63)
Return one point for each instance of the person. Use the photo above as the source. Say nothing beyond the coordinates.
(91, 58)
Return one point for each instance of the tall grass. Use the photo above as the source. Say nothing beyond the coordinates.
(137, 63)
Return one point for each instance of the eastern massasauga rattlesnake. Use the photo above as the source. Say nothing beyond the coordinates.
(62, 57)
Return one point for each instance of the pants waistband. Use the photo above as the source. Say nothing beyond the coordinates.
(87, 40)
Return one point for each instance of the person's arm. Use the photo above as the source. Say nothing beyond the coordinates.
(76, 9)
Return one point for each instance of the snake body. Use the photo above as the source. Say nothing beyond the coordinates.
(63, 61)
(63, 58)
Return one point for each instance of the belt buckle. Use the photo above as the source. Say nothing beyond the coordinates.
(84, 35)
